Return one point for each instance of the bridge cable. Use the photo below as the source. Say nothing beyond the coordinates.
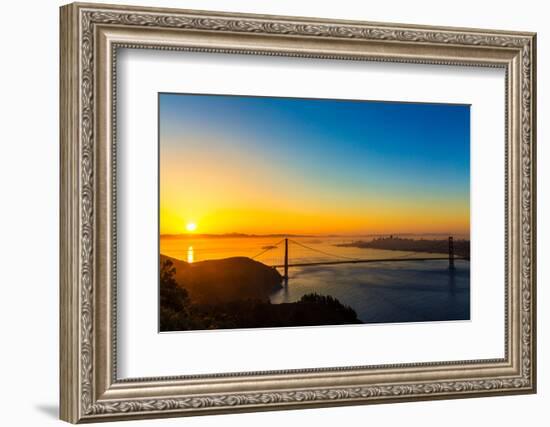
(345, 257)
(268, 249)
(322, 252)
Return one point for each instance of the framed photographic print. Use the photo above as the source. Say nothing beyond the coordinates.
(263, 212)
(299, 233)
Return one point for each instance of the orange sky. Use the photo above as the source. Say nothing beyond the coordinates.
(225, 195)
(275, 166)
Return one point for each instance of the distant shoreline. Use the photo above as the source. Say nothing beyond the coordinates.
(229, 235)
(461, 247)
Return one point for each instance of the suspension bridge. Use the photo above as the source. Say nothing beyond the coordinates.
(335, 259)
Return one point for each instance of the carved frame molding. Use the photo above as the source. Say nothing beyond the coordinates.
(90, 37)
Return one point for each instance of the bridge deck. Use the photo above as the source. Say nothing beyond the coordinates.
(357, 261)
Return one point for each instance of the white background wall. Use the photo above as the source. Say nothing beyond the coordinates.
(29, 171)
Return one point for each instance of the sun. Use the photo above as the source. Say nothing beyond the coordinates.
(190, 227)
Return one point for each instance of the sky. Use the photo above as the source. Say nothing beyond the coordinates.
(266, 165)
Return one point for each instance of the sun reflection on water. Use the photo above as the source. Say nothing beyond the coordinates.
(190, 254)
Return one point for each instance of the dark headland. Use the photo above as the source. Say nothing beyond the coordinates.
(224, 280)
(234, 293)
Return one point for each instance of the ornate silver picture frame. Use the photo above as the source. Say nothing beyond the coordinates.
(91, 36)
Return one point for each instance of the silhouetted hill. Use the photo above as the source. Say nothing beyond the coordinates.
(311, 310)
(223, 280)
(189, 299)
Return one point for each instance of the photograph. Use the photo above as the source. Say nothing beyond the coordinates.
(293, 212)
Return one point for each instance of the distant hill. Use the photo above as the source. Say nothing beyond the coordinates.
(461, 247)
(227, 235)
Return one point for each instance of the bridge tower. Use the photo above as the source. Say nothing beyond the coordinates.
(451, 254)
(286, 261)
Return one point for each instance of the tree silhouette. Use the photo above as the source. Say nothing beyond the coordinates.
(174, 300)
